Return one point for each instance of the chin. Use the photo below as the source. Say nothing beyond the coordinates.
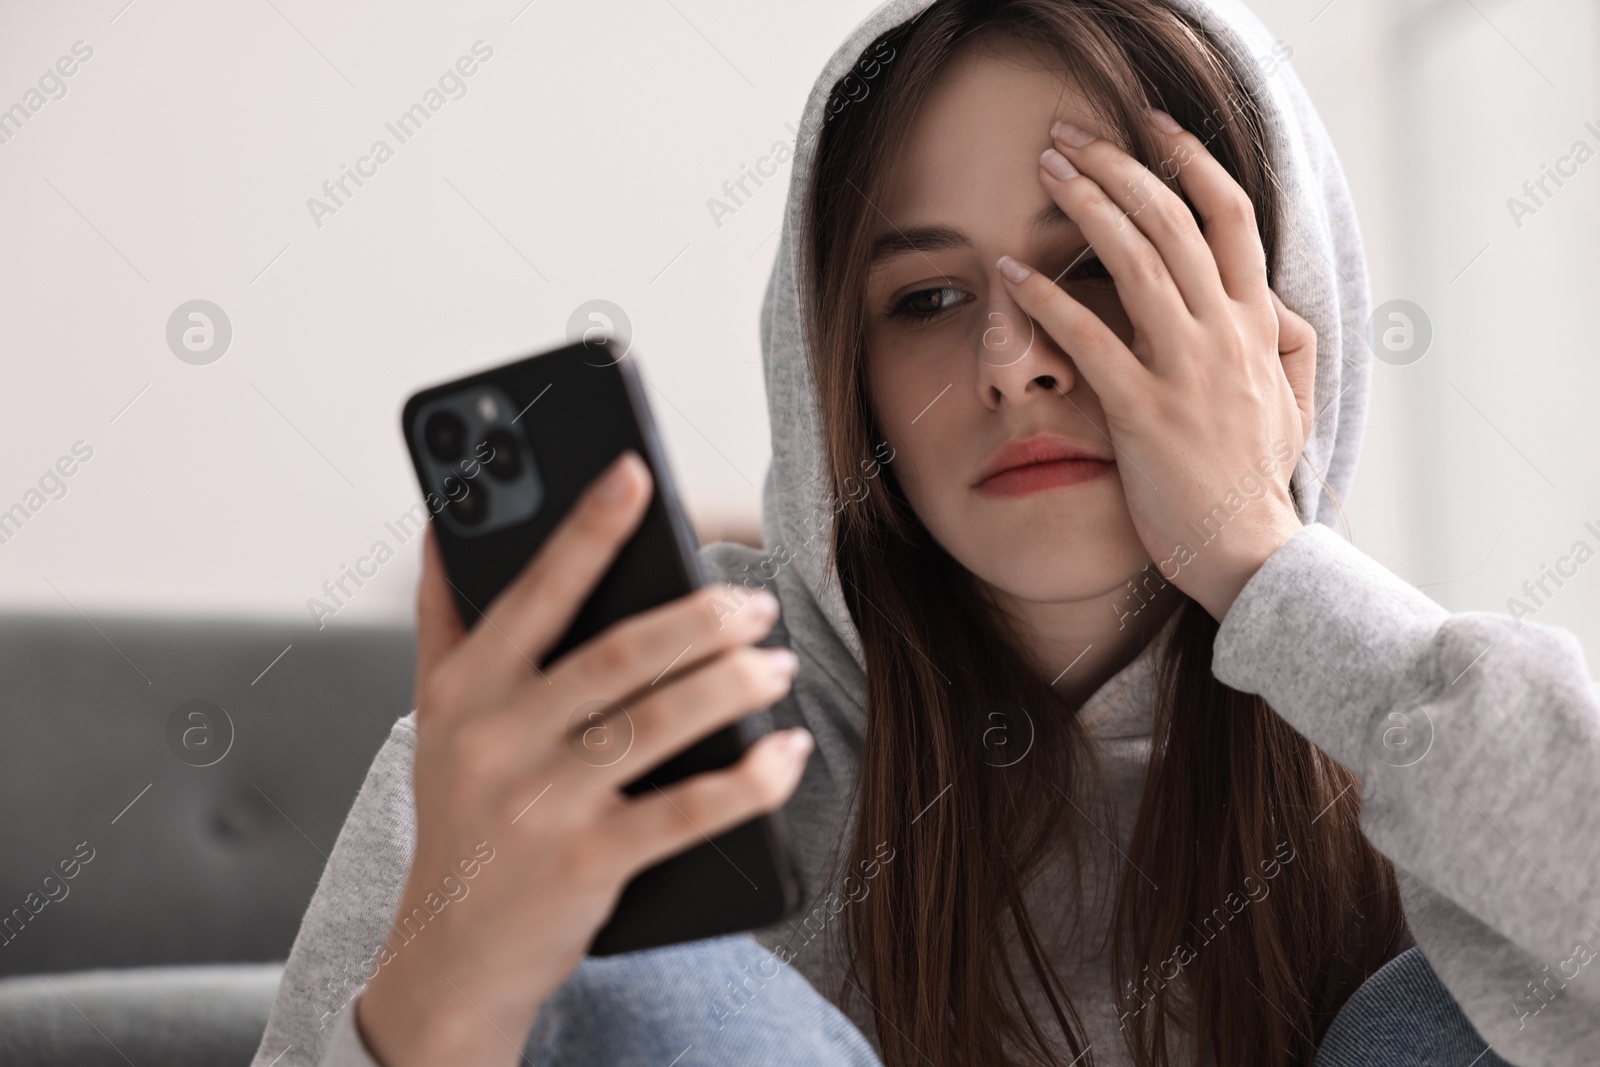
(1049, 563)
(1050, 578)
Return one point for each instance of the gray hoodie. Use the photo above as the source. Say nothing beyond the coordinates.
(1476, 738)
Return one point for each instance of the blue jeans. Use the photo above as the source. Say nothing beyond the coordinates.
(729, 1001)
(1404, 1016)
(726, 1000)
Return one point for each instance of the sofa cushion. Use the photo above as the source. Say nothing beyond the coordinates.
(174, 1016)
(173, 785)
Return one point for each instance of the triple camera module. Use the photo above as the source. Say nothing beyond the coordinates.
(478, 461)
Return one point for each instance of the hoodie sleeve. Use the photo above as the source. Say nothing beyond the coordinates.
(1476, 738)
(335, 952)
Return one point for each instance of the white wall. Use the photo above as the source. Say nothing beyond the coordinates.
(578, 167)
(1504, 433)
(178, 166)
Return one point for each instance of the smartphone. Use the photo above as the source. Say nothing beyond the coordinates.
(501, 457)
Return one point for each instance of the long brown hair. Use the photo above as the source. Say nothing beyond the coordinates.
(1231, 786)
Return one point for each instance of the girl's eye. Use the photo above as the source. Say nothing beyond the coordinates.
(926, 304)
(1092, 270)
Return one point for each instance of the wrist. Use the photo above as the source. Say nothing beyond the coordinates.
(1233, 564)
(403, 1022)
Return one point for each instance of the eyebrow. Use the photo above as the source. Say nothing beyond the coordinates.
(1048, 218)
(924, 239)
(917, 239)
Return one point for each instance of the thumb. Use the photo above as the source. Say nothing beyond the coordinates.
(439, 628)
(1297, 348)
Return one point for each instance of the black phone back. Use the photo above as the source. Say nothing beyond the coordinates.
(501, 457)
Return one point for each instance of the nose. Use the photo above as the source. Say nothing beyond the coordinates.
(1017, 359)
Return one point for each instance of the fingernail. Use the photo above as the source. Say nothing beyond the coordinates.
(764, 606)
(1165, 122)
(795, 744)
(1014, 272)
(614, 487)
(1066, 132)
(782, 661)
(1057, 164)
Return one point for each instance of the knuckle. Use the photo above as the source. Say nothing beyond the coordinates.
(1175, 215)
(705, 802)
(706, 611)
(736, 682)
(1147, 264)
(705, 602)
(717, 605)
(653, 715)
(1093, 197)
(753, 676)
(1104, 152)
(1236, 208)
(764, 791)
(1241, 343)
(587, 857)
(445, 688)
(1139, 191)
(616, 652)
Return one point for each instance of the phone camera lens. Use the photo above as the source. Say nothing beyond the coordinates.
(505, 462)
(445, 435)
(470, 509)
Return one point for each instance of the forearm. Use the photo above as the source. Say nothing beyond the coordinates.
(1477, 743)
(349, 914)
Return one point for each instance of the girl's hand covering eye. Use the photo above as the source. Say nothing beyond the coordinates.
(1209, 407)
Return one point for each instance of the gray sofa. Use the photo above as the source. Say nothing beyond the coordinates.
(171, 789)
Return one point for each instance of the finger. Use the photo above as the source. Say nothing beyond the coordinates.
(1227, 218)
(664, 822)
(439, 628)
(1159, 213)
(642, 651)
(1297, 348)
(1145, 286)
(1113, 372)
(1294, 332)
(532, 612)
(674, 716)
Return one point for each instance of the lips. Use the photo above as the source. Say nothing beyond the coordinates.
(1042, 461)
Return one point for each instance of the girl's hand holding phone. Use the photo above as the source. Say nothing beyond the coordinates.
(497, 761)
(1215, 386)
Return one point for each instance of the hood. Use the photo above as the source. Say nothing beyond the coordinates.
(1318, 269)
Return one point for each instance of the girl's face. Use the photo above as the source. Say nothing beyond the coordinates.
(959, 375)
